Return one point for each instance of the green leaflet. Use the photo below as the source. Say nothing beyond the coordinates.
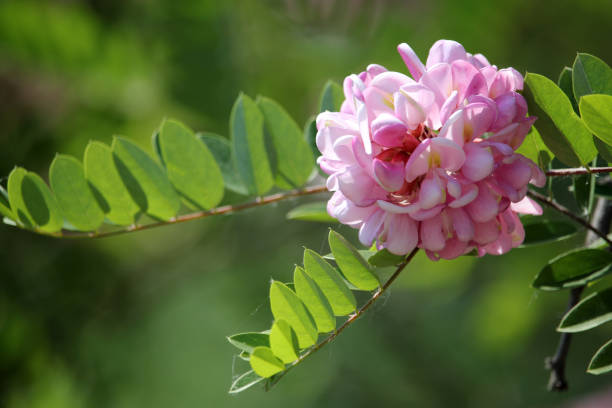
(283, 341)
(565, 83)
(330, 282)
(190, 166)
(310, 135)
(315, 211)
(596, 111)
(584, 191)
(245, 381)
(5, 205)
(385, 258)
(542, 231)
(248, 341)
(592, 311)
(265, 363)
(315, 302)
(41, 204)
(287, 306)
(534, 148)
(145, 180)
(356, 270)
(331, 97)
(248, 146)
(574, 268)
(294, 161)
(590, 75)
(18, 206)
(561, 129)
(74, 196)
(221, 149)
(104, 179)
(602, 360)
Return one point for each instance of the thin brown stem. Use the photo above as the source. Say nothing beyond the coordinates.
(351, 319)
(578, 171)
(558, 207)
(226, 209)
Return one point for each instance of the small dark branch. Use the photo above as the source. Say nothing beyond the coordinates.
(226, 209)
(558, 207)
(350, 320)
(577, 171)
(602, 216)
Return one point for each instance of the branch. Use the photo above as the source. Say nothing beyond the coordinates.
(349, 321)
(602, 216)
(226, 209)
(577, 171)
(558, 207)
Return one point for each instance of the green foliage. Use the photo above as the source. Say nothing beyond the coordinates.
(221, 150)
(534, 148)
(602, 360)
(283, 341)
(592, 311)
(248, 341)
(315, 211)
(560, 128)
(316, 303)
(590, 75)
(574, 268)
(265, 363)
(543, 231)
(286, 305)
(331, 97)
(356, 270)
(74, 196)
(596, 111)
(245, 381)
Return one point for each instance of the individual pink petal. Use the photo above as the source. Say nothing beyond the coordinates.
(449, 106)
(462, 224)
(436, 152)
(454, 128)
(439, 79)
(398, 209)
(408, 110)
(479, 117)
(486, 232)
(478, 60)
(478, 162)
(421, 214)
(412, 61)
(527, 206)
(445, 51)
(485, 207)
(432, 236)
(388, 131)
(374, 70)
(470, 192)
(453, 249)
(371, 227)
(506, 80)
(346, 212)
(402, 234)
(357, 186)
(389, 175)
(467, 79)
(432, 193)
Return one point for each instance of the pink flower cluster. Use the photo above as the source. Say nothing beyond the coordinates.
(430, 161)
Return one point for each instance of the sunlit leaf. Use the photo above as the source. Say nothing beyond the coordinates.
(574, 268)
(294, 161)
(283, 341)
(356, 270)
(248, 146)
(330, 282)
(104, 179)
(221, 149)
(145, 180)
(602, 360)
(41, 204)
(590, 76)
(315, 301)
(384, 258)
(286, 305)
(565, 83)
(248, 341)
(592, 311)
(265, 363)
(74, 196)
(560, 128)
(190, 166)
(596, 111)
(315, 211)
(534, 148)
(244, 382)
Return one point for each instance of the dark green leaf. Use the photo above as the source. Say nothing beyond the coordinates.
(221, 149)
(591, 76)
(592, 311)
(310, 135)
(596, 111)
(294, 161)
(584, 190)
(565, 83)
(574, 268)
(145, 180)
(541, 231)
(283, 341)
(315, 301)
(315, 211)
(248, 146)
(248, 341)
(331, 98)
(74, 196)
(5, 205)
(190, 166)
(602, 360)
(560, 128)
(105, 182)
(384, 258)
(356, 270)
(330, 282)
(287, 306)
(265, 363)
(245, 381)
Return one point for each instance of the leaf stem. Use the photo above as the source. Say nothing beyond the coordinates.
(577, 171)
(558, 207)
(349, 321)
(226, 209)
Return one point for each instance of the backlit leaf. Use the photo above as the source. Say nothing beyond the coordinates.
(315, 211)
(590, 76)
(248, 341)
(541, 231)
(283, 341)
(265, 363)
(314, 300)
(221, 149)
(41, 204)
(286, 305)
(356, 270)
(596, 111)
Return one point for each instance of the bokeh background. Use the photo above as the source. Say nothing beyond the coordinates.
(140, 320)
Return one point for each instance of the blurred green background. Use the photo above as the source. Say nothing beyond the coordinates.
(140, 320)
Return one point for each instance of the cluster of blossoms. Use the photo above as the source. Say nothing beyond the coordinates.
(430, 161)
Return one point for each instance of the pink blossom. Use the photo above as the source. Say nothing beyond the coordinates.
(429, 161)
